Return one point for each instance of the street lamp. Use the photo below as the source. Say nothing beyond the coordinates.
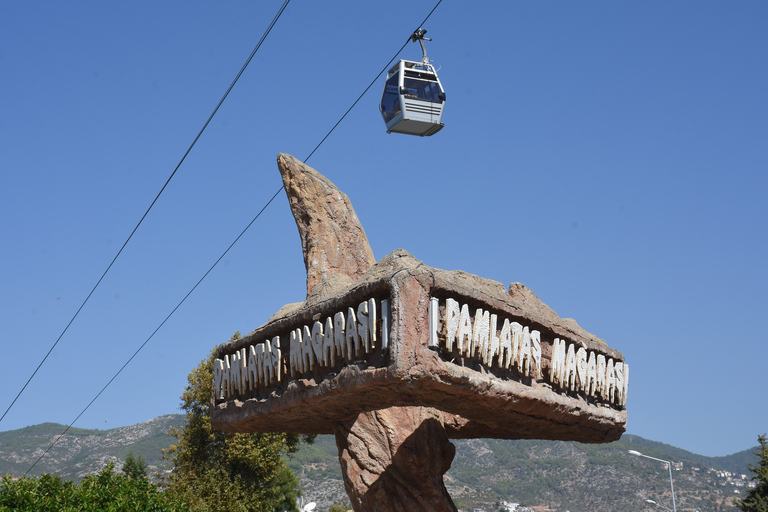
(657, 504)
(669, 465)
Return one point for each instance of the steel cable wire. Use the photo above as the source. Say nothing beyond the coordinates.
(227, 250)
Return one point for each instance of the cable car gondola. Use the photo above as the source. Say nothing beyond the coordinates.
(413, 98)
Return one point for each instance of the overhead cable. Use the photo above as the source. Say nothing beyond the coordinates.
(57, 438)
(258, 45)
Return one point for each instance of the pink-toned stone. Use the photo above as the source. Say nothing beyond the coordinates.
(411, 374)
(393, 411)
(394, 459)
(332, 239)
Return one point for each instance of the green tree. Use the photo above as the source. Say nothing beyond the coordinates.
(286, 487)
(106, 491)
(135, 467)
(757, 497)
(340, 507)
(219, 471)
(46, 493)
(114, 492)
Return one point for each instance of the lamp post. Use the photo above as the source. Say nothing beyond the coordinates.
(669, 466)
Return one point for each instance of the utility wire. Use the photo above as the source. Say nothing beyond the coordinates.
(56, 440)
(258, 45)
(153, 333)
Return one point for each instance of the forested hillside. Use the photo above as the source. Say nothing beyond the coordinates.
(485, 472)
(83, 451)
(562, 475)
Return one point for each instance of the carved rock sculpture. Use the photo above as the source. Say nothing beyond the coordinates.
(394, 358)
(332, 238)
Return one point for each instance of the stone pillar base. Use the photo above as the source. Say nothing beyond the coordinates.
(394, 460)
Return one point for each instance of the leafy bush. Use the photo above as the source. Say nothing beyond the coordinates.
(226, 472)
(107, 491)
(757, 497)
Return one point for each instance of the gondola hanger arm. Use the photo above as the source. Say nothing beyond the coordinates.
(418, 35)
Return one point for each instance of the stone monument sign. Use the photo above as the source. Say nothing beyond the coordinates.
(395, 357)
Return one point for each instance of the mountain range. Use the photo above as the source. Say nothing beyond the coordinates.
(486, 474)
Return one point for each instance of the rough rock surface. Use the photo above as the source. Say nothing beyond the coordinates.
(483, 404)
(393, 459)
(393, 409)
(336, 250)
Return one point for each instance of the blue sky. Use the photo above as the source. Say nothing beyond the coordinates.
(610, 156)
